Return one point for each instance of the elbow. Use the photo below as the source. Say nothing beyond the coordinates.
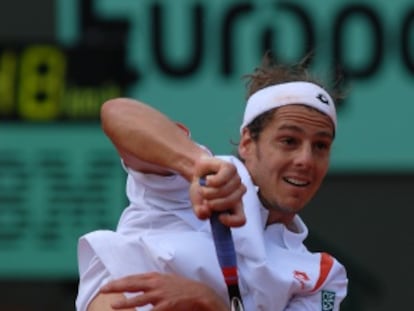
(110, 109)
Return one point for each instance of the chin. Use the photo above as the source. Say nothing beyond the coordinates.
(291, 206)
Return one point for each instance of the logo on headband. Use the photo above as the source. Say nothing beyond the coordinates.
(322, 98)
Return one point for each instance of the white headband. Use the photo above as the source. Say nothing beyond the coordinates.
(290, 93)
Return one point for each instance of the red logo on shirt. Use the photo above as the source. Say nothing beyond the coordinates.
(302, 277)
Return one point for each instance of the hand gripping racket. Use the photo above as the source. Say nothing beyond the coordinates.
(226, 254)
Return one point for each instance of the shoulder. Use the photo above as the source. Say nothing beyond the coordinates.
(332, 274)
(329, 286)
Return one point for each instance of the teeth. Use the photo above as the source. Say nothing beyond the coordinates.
(296, 182)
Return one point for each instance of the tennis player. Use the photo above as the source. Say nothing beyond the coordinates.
(162, 255)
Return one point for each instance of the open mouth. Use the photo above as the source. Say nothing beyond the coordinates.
(296, 182)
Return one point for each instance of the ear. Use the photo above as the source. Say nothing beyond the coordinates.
(245, 144)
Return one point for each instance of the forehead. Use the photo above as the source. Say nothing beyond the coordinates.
(302, 118)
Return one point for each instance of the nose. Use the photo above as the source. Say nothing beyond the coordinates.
(304, 156)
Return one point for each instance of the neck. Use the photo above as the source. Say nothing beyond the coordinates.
(276, 213)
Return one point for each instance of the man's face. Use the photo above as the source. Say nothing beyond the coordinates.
(290, 159)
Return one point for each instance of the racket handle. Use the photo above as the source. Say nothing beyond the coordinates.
(226, 253)
(223, 242)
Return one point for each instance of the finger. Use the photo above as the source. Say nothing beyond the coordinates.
(221, 174)
(224, 174)
(236, 219)
(217, 189)
(208, 165)
(227, 203)
(132, 283)
(202, 212)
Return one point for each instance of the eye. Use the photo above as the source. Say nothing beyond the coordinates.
(288, 141)
(321, 145)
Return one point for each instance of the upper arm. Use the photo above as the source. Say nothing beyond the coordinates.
(102, 302)
(139, 131)
(141, 166)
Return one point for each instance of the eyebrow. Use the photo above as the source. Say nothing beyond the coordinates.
(300, 130)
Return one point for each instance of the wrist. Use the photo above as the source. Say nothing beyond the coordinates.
(186, 165)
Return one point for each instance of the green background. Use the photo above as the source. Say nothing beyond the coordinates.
(375, 123)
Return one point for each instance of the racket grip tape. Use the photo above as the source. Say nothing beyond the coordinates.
(226, 255)
(225, 250)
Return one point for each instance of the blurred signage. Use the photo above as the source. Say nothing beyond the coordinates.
(60, 177)
(192, 54)
(55, 185)
(44, 82)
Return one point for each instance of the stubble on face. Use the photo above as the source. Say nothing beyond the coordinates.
(274, 164)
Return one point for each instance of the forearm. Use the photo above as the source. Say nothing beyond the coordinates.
(164, 292)
(140, 132)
